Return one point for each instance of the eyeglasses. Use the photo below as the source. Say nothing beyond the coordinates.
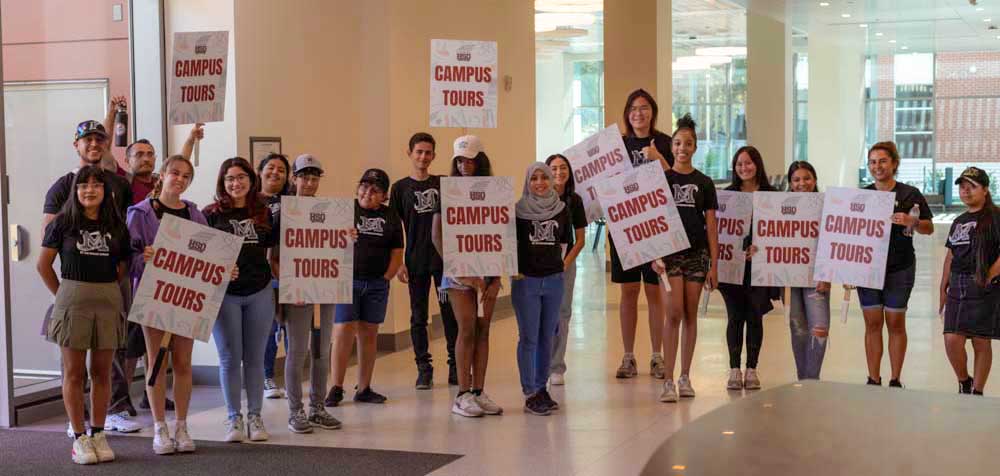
(237, 178)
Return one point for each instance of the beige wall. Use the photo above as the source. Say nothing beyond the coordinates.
(631, 55)
(769, 90)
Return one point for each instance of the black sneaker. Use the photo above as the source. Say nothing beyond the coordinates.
(452, 375)
(965, 386)
(894, 383)
(335, 396)
(425, 377)
(553, 405)
(144, 404)
(536, 405)
(977, 392)
(369, 396)
(872, 381)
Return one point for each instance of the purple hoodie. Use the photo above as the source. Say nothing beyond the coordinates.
(142, 226)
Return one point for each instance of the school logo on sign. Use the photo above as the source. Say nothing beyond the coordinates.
(544, 231)
(245, 229)
(371, 226)
(195, 245)
(684, 195)
(93, 243)
(425, 201)
(962, 235)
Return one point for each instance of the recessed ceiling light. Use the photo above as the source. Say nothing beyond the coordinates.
(729, 433)
(845, 15)
(906, 47)
(892, 41)
(863, 25)
(987, 20)
(879, 33)
(998, 37)
(978, 9)
(824, 4)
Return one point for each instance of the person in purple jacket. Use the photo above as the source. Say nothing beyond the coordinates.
(143, 222)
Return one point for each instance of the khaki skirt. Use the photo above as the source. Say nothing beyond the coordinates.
(87, 316)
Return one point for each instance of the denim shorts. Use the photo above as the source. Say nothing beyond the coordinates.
(895, 293)
(970, 309)
(371, 297)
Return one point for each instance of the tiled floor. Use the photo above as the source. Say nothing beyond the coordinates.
(606, 426)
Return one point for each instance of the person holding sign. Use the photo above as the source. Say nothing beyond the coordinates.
(746, 305)
(176, 175)
(543, 228)
(690, 270)
(274, 183)
(969, 297)
(887, 306)
(93, 246)
(645, 144)
(378, 254)
(473, 299)
(563, 183)
(244, 321)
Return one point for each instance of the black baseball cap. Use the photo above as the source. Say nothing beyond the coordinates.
(975, 175)
(87, 128)
(376, 177)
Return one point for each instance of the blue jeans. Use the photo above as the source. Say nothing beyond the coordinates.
(536, 304)
(241, 332)
(809, 310)
(271, 351)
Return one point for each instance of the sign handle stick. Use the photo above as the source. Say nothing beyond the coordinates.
(160, 355)
(787, 303)
(705, 294)
(196, 152)
(844, 305)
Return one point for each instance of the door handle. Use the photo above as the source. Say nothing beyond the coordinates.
(16, 237)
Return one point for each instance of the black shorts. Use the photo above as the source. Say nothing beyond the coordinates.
(642, 273)
(691, 264)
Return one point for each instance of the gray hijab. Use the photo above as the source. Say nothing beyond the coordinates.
(533, 207)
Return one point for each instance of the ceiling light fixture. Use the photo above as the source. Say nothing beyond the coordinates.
(979, 9)
(824, 4)
(906, 47)
(863, 25)
(987, 20)
(879, 33)
(845, 15)
(892, 41)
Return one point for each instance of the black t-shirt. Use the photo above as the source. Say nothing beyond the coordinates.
(274, 204)
(577, 216)
(962, 241)
(694, 194)
(415, 202)
(635, 146)
(160, 209)
(59, 192)
(379, 232)
(539, 244)
(901, 254)
(88, 254)
(255, 269)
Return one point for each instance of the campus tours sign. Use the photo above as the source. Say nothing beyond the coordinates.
(785, 232)
(198, 77)
(854, 237)
(463, 83)
(596, 158)
(733, 217)
(317, 252)
(478, 228)
(184, 283)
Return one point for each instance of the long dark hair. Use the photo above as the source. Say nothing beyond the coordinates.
(483, 168)
(986, 240)
(640, 93)
(801, 164)
(285, 189)
(108, 216)
(758, 161)
(570, 188)
(254, 200)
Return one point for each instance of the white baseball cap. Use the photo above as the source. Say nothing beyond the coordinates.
(467, 146)
(306, 161)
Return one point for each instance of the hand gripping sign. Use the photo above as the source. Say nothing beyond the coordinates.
(597, 157)
(478, 228)
(463, 83)
(642, 216)
(854, 237)
(785, 232)
(317, 252)
(735, 210)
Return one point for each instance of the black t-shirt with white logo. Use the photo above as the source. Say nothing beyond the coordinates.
(160, 209)
(694, 194)
(539, 244)
(379, 232)
(258, 236)
(901, 253)
(962, 241)
(59, 193)
(415, 202)
(88, 254)
(635, 146)
(577, 216)
(274, 204)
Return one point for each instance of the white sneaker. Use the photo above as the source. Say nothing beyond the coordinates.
(735, 381)
(256, 428)
(466, 405)
(121, 423)
(557, 379)
(72, 434)
(488, 406)
(234, 430)
(83, 451)
(684, 388)
(669, 394)
(162, 443)
(751, 381)
(182, 440)
(101, 448)
(656, 367)
(271, 390)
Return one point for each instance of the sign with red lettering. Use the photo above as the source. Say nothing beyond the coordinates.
(317, 252)
(642, 215)
(599, 156)
(733, 216)
(198, 77)
(785, 232)
(478, 228)
(182, 287)
(463, 83)
(854, 237)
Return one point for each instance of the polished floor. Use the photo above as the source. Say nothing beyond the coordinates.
(606, 426)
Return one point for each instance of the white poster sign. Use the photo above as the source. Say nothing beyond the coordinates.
(317, 252)
(642, 216)
(478, 229)
(198, 77)
(183, 285)
(596, 158)
(854, 237)
(463, 83)
(733, 216)
(785, 232)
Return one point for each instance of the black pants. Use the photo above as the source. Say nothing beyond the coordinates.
(742, 312)
(420, 287)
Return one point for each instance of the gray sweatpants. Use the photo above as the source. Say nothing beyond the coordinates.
(299, 328)
(558, 365)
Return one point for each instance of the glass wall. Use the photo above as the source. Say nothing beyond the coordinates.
(800, 107)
